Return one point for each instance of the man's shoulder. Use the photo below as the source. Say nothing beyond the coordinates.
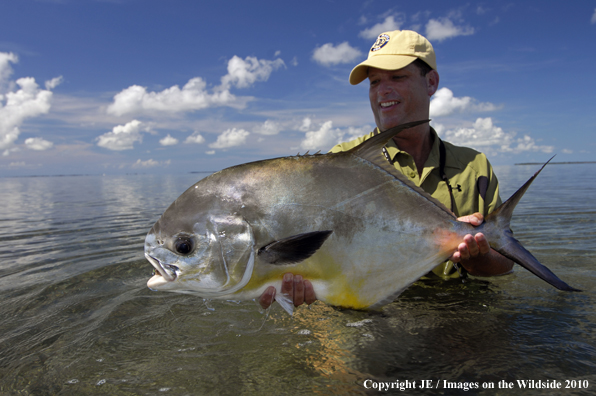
(466, 157)
(345, 146)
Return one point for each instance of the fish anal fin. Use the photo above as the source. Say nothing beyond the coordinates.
(293, 249)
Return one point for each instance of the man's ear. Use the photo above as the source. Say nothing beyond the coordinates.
(432, 82)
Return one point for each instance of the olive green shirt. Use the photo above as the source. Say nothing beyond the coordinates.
(474, 185)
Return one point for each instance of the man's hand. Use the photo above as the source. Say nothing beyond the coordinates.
(473, 246)
(299, 290)
(476, 255)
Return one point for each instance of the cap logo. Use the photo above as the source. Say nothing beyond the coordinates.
(382, 40)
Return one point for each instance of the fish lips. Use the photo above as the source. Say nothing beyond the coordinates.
(165, 272)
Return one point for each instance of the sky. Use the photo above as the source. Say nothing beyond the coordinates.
(154, 86)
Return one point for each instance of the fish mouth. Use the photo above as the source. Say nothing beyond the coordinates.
(167, 271)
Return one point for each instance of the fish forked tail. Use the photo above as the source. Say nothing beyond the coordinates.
(498, 231)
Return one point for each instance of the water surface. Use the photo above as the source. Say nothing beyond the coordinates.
(77, 318)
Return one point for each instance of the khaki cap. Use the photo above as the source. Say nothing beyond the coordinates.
(394, 50)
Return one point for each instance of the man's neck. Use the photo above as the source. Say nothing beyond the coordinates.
(418, 143)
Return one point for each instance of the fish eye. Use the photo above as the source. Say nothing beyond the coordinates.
(183, 245)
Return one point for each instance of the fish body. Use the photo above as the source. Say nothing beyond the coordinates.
(348, 222)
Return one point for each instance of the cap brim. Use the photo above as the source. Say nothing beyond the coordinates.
(384, 62)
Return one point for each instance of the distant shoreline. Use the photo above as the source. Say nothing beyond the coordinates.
(557, 163)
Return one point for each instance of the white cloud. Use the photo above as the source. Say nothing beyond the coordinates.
(123, 137)
(194, 95)
(168, 141)
(230, 138)
(210, 152)
(593, 20)
(244, 73)
(328, 55)
(150, 163)
(305, 126)
(387, 25)
(444, 103)
(17, 105)
(54, 82)
(5, 69)
(268, 128)
(443, 28)
(38, 144)
(326, 136)
(195, 138)
(485, 136)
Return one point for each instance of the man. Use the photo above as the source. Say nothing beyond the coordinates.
(402, 72)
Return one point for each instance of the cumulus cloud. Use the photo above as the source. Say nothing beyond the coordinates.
(483, 135)
(150, 163)
(444, 103)
(5, 69)
(168, 141)
(195, 138)
(53, 83)
(325, 137)
(305, 125)
(25, 99)
(329, 55)
(268, 128)
(230, 138)
(123, 137)
(38, 144)
(387, 25)
(443, 28)
(194, 95)
(242, 73)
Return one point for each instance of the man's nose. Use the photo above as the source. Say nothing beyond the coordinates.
(385, 88)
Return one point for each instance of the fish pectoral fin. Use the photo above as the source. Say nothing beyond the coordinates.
(293, 249)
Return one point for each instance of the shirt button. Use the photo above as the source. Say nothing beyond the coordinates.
(413, 175)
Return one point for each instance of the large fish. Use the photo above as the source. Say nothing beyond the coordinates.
(349, 222)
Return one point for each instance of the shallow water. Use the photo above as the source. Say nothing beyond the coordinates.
(77, 317)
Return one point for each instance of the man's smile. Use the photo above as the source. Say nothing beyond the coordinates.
(388, 104)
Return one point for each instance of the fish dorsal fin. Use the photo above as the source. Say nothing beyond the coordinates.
(293, 249)
(372, 150)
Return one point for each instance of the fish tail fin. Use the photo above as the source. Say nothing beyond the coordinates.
(498, 232)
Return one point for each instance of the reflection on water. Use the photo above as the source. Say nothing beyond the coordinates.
(77, 317)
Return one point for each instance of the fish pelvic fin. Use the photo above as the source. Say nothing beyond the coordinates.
(293, 249)
(498, 231)
(285, 302)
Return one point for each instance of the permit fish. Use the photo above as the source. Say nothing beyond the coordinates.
(349, 222)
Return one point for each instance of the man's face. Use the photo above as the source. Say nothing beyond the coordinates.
(400, 96)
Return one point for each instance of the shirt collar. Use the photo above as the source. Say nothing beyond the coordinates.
(433, 159)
